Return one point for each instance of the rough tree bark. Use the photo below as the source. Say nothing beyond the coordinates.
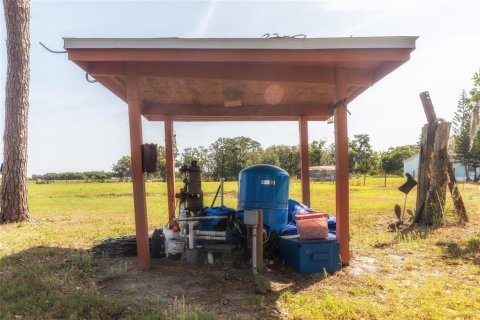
(435, 201)
(14, 205)
(426, 148)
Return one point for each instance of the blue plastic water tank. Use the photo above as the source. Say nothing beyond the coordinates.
(265, 187)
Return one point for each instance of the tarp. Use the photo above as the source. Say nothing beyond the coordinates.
(210, 225)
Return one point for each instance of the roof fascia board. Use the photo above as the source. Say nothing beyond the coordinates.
(242, 43)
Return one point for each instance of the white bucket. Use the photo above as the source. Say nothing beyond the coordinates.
(175, 248)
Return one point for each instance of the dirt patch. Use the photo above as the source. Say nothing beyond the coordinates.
(362, 265)
(231, 293)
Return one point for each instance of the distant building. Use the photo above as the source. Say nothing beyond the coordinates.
(322, 173)
(412, 164)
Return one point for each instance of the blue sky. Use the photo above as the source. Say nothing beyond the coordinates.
(76, 126)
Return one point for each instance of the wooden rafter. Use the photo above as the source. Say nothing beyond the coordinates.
(244, 113)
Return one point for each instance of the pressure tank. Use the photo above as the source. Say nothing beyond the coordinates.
(265, 187)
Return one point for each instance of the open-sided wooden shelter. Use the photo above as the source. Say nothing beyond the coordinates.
(274, 79)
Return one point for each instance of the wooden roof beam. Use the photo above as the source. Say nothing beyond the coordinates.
(244, 113)
(230, 118)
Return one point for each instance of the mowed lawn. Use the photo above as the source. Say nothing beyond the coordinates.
(46, 270)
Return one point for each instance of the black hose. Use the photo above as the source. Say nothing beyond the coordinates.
(127, 246)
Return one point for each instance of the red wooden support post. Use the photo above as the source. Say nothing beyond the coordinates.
(304, 160)
(170, 170)
(341, 168)
(139, 197)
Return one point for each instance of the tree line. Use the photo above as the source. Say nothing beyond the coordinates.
(227, 156)
(466, 140)
(69, 176)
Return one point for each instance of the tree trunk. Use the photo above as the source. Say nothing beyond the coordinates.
(467, 176)
(364, 178)
(385, 179)
(14, 205)
(433, 213)
(426, 147)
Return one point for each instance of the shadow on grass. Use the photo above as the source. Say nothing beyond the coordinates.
(413, 234)
(286, 281)
(47, 282)
(409, 234)
(466, 250)
(62, 283)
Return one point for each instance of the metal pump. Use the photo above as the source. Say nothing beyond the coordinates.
(192, 193)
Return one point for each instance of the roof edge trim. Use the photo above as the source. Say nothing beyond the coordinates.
(406, 42)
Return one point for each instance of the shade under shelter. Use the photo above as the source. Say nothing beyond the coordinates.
(274, 79)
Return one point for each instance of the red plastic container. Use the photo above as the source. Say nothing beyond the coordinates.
(312, 225)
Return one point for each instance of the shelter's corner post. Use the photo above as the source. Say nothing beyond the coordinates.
(170, 168)
(304, 160)
(341, 167)
(139, 196)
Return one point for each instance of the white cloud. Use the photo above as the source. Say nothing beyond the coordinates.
(201, 29)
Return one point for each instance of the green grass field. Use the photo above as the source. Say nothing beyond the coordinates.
(46, 270)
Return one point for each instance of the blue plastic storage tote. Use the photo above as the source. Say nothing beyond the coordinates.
(310, 256)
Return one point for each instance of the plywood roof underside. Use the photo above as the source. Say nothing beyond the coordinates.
(214, 84)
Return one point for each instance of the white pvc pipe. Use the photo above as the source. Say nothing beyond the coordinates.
(210, 233)
(201, 218)
(210, 238)
(191, 234)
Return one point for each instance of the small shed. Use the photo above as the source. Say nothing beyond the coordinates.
(322, 173)
(412, 164)
(239, 79)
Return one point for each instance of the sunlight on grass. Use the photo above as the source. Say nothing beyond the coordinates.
(48, 272)
(425, 298)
